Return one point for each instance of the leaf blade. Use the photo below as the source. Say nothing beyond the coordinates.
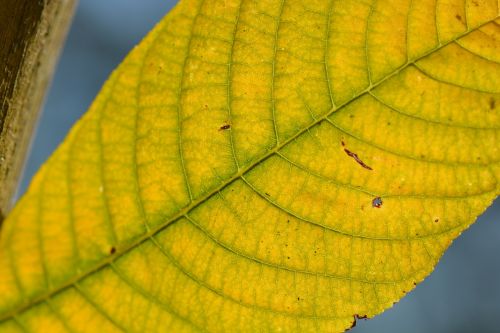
(262, 138)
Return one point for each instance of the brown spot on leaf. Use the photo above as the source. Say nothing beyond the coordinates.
(355, 321)
(112, 250)
(224, 127)
(356, 158)
(492, 103)
(458, 17)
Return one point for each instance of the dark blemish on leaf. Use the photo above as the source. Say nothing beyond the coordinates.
(389, 123)
(351, 116)
(356, 158)
(267, 194)
(414, 283)
(342, 143)
(458, 17)
(224, 127)
(492, 103)
(356, 318)
(436, 220)
(288, 258)
(377, 202)
(112, 250)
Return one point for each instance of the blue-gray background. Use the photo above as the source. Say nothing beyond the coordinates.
(461, 296)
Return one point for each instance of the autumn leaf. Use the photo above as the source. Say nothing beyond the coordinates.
(263, 166)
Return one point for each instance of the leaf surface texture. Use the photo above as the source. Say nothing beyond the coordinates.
(263, 166)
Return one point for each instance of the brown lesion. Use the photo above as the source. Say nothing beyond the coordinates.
(225, 127)
(492, 103)
(355, 157)
(355, 321)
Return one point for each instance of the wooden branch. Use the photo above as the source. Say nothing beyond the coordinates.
(31, 36)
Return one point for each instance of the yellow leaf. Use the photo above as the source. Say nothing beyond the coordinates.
(263, 166)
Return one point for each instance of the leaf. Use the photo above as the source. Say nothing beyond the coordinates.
(263, 166)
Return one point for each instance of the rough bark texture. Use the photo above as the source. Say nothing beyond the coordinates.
(31, 36)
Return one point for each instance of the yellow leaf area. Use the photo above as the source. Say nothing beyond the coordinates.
(263, 166)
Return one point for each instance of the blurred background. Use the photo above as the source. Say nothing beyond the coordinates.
(461, 296)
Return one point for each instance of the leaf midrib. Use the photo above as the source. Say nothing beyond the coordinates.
(121, 250)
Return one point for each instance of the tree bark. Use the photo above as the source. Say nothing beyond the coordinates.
(31, 36)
